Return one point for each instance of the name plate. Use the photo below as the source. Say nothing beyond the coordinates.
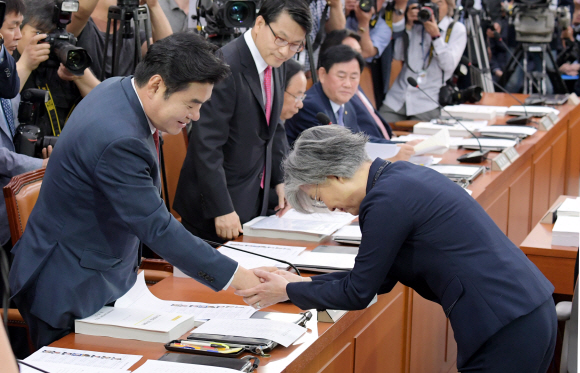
(500, 163)
(553, 117)
(545, 123)
(573, 99)
(511, 153)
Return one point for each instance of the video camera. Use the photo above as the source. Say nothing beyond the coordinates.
(367, 5)
(426, 11)
(29, 138)
(224, 16)
(534, 21)
(63, 47)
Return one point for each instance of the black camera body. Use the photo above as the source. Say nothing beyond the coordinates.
(451, 95)
(367, 5)
(426, 11)
(223, 16)
(63, 47)
(29, 138)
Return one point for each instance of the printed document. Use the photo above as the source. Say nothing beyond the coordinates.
(249, 261)
(436, 144)
(140, 297)
(63, 368)
(284, 333)
(383, 151)
(156, 366)
(326, 260)
(81, 358)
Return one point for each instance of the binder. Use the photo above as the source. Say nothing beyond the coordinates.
(248, 364)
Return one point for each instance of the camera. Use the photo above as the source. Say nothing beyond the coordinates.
(426, 11)
(63, 47)
(29, 139)
(367, 5)
(451, 95)
(223, 16)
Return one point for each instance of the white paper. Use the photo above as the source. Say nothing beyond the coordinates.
(63, 368)
(436, 144)
(332, 217)
(326, 260)
(465, 171)
(249, 261)
(536, 111)
(383, 151)
(570, 207)
(139, 297)
(293, 225)
(455, 130)
(485, 143)
(350, 232)
(411, 137)
(522, 130)
(284, 333)
(91, 359)
(156, 366)
(136, 319)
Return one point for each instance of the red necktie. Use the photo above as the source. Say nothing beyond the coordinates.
(268, 90)
(372, 113)
(156, 140)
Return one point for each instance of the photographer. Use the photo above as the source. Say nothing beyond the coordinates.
(12, 163)
(36, 70)
(430, 53)
(374, 33)
(89, 25)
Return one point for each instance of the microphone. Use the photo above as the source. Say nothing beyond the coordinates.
(473, 157)
(522, 119)
(498, 37)
(216, 245)
(323, 118)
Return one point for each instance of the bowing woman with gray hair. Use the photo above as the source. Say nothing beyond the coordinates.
(422, 230)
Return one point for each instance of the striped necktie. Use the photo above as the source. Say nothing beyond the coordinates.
(9, 114)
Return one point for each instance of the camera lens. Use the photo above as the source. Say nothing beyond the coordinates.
(238, 12)
(424, 15)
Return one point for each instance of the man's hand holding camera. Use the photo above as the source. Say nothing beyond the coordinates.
(432, 28)
(33, 55)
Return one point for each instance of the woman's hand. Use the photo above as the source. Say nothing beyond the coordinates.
(272, 290)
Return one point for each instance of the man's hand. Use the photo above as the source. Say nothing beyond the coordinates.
(228, 227)
(283, 205)
(46, 152)
(404, 154)
(272, 290)
(291, 277)
(350, 5)
(334, 4)
(412, 16)
(363, 18)
(432, 28)
(34, 54)
(65, 74)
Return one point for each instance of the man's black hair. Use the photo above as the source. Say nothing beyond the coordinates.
(339, 54)
(14, 6)
(336, 37)
(181, 59)
(293, 67)
(39, 14)
(298, 10)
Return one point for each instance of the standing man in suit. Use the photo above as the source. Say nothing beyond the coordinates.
(100, 196)
(236, 149)
(9, 81)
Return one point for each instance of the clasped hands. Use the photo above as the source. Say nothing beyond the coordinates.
(272, 289)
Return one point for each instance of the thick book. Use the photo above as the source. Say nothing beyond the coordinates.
(131, 323)
(566, 231)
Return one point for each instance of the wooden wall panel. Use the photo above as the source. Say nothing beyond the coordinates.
(498, 211)
(343, 361)
(380, 346)
(558, 168)
(428, 336)
(519, 206)
(573, 159)
(541, 185)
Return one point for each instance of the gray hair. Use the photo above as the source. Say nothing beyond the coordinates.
(319, 152)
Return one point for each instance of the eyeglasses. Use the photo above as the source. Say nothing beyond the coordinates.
(317, 202)
(297, 99)
(283, 42)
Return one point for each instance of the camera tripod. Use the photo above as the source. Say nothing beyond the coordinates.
(477, 51)
(535, 79)
(124, 12)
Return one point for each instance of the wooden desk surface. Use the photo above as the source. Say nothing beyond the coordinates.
(556, 262)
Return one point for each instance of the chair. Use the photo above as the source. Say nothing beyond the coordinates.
(174, 151)
(568, 311)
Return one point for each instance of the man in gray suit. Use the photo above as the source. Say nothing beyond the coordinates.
(100, 196)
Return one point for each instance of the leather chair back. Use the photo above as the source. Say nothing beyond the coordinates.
(174, 151)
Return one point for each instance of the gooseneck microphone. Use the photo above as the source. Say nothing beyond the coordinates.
(473, 157)
(216, 245)
(323, 118)
(522, 119)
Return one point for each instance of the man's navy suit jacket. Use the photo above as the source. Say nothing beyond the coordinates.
(422, 230)
(232, 145)
(9, 81)
(317, 102)
(366, 122)
(99, 198)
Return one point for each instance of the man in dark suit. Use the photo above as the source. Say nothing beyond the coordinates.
(235, 150)
(9, 81)
(100, 196)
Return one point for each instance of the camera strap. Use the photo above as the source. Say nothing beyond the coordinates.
(52, 114)
(321, 29)
(406, 46)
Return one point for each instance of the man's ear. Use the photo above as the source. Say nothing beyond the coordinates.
(155, 85)
(322, 74)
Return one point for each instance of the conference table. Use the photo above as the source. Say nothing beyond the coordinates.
(402, 332)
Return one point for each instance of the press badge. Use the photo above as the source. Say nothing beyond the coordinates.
(422, 78)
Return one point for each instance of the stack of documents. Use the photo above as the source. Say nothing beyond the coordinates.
(566, 231)
(570, 207)
(497, 145)
(455, 130)
(436, 144)
(156, 366)
(249, 261)
(535, 111)
(325, 261)
(350, 234)
(384, 151)
(63, 360)
(476, 112)
(296, 226)
(459, 172)
(510, 132)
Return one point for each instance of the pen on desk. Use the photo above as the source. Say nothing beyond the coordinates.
(206, 344)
